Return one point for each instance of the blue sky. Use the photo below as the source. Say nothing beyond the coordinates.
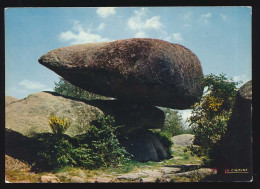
(219, 36)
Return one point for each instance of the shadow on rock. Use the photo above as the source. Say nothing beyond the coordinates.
(20, 147)
(132, 116)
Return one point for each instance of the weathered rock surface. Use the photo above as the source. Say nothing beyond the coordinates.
(133, 116)
(76, 179)
(50, 178)
(183, 140)
(9, 100)
(32, 113)
(198, 172)
(146, 146)
(134, 70)
(236, 145)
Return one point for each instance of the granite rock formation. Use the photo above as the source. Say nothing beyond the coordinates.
(236, 145)
(133, 70)
(140, 74)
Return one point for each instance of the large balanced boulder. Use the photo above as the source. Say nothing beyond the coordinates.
(134, 70)
(236, 146)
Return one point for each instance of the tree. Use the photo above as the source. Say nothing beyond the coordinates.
(209, 116)
(173, 123)
(65, 88)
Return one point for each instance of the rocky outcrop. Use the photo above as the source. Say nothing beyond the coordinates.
(9, 100)
(31, 115)
(135, 70)
(35, 110)
(145, 146)
(132, 116)
(236, 145)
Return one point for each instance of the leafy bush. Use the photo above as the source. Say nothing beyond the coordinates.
(54, 152)
(103, 137)
(165, 138)
(210, 116)
(58, 125)
(99, 147)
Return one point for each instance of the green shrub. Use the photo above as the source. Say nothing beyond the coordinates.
(165, 138)
(104, 142)
(54, 152)
(210, 116)
(99, 147)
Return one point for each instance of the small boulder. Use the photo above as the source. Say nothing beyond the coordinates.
(50, 178)
(76, 179)
(183, 140)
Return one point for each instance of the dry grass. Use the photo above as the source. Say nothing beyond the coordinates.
(17, 171)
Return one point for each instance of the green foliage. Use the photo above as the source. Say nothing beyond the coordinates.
(58, 125)
(210, 116)
(99, 147)
(103, 137)
(173, 123)
(65, 88)
(165, 138)
(54, 152)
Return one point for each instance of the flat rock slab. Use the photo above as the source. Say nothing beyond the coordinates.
(76, 179)
(134, 70)
(131, 176)
(169, 170)
(201, 171)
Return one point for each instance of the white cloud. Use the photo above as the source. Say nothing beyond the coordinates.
(205, 17)
(101, 26)
(106, 11)
(187, 15)
(141, 12)
(177, 37)
(31, 85)
(244, 78)
(153, 23)
(138, 21)
(140, 34)
(223, 17)
(79, 35)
